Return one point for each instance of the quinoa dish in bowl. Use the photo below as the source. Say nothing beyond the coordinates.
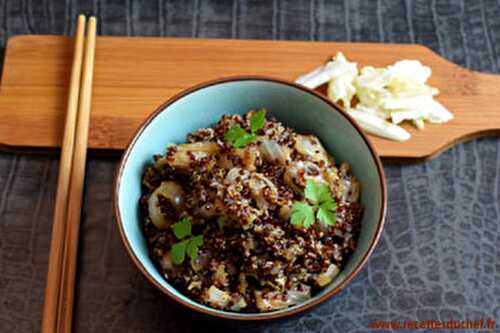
(254, 198)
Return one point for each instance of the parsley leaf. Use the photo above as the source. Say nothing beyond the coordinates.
(317, 192)
(198, 240)
(234, 133)
(244, 140)
(327, 213)
(322, 202)
(193, 246)
(178, 252)
(302, 214)
(238, 137)
(182, 228)
(257, 120)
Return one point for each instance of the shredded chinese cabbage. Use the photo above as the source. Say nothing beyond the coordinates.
(386, 97)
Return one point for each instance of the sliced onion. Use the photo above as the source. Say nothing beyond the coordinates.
(272, 152)
(209, 209)
(297, 168)
(198, 147)
(328, 276)
(185, 153)
(220, 275)
(217, 297)
(290, 176)
(257, 183)
(248, 157)
(234, 173)
(354, 190)
(296, 296)
(171, 191)
(350, 190)
(239, 304)
(262, 304)
(309, 145)
(270, 301)
(166, 262)
(194, 285)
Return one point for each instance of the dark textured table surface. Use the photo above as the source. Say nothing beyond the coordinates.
(438, 257)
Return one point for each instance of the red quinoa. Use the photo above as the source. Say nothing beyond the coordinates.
(252, 258)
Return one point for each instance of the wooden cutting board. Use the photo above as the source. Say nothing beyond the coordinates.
(135, 75)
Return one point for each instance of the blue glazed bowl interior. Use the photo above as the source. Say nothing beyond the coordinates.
(295, 107)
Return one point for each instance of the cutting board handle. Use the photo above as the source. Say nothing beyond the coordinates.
(476, 93)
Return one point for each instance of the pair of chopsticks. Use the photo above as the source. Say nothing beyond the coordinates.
(59, 291)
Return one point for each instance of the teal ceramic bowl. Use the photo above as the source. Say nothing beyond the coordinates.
(201, 106)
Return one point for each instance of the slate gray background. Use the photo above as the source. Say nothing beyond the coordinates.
(438, 257)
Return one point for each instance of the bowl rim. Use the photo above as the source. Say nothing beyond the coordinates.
(235, 315)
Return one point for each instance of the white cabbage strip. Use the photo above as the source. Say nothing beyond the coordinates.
(386, 97)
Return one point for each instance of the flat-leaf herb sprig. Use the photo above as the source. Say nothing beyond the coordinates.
(238, 137)
(319, 204)
(188, 243)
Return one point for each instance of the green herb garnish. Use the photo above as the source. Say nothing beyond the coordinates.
(302, 214)
(257, 120)
(182, 228)
(178, 252)
(239, 138)
(191, 245)
(319, 200)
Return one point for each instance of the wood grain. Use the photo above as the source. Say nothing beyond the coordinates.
(67, 291)
(135, 75)
(59, 225)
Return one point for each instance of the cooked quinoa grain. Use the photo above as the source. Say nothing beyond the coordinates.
(252, 258)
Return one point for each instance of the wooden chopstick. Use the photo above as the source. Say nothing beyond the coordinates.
(60, 211)
(66, 295)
